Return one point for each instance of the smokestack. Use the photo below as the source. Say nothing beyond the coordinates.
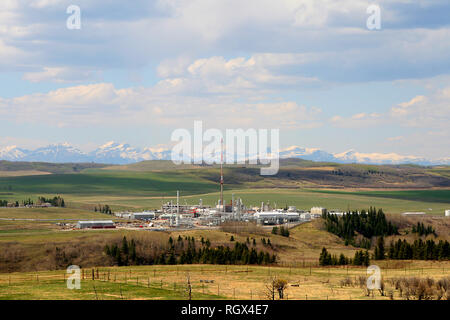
(232, 206)
(177, 221)
(221, 176)
(171, 213)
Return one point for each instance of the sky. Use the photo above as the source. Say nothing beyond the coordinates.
(137, 70)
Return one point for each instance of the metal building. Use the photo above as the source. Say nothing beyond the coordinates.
(275, 217)
(103, 224)
(146, 215)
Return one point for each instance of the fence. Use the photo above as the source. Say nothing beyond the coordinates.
(305, 281)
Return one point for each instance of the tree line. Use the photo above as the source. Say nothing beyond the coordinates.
(103, 209)
(185, 251)
(361, 258)
(282, 231)
(56, 201)
(419, 250)
(423, 230)
(368, 224)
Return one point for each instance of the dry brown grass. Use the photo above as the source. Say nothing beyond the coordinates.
(21, 173)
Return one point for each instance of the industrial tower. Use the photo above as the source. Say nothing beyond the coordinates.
(221, 176)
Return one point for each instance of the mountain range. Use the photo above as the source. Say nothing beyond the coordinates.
(121, 153)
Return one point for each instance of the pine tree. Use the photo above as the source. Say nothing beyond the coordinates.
(124, 245)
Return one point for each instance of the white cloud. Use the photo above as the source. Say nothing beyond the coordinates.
(242, 76)
(420, 111)
(103, 104)
(61, 75)
(333, 32)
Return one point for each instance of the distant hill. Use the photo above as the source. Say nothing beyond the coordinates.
(45, 167)
(293, 173)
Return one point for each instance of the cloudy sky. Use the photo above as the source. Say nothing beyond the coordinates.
(137, 70)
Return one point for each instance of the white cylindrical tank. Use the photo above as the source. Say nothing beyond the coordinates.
(447, 213)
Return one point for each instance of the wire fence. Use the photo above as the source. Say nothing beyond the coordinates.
(305, 282)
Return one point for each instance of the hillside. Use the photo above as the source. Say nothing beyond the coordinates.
(44, 167)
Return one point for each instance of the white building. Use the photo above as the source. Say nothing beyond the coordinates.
(337, 213)
(318, 210)
(146, 215)
(103, 224)
(275, 217)
(305, 216)
(168, 216)
(413, 213)
(447, 213)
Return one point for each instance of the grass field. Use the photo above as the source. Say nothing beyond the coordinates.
(28, 248)
(34, 244)
(303, 199)
(147, 185)
(414, 195)
(105, 183)
(51, 213)
(224, 282)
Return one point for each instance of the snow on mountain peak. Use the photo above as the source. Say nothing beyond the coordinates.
(122, 153)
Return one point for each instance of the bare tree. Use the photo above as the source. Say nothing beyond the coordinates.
(275, 285)
(188, 286)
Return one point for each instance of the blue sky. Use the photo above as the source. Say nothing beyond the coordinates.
(134, 73)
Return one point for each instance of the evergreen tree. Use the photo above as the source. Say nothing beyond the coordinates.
(124, 245)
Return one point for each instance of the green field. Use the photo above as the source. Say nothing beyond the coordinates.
(414, 195)
(134, 189)
(104, 183)
(50, 213)
(303, 199)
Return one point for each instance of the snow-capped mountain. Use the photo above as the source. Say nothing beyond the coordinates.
(12, 153)
(122, 153)
(113, 152)
(352, 156)
(63, 152)
(313, 154)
